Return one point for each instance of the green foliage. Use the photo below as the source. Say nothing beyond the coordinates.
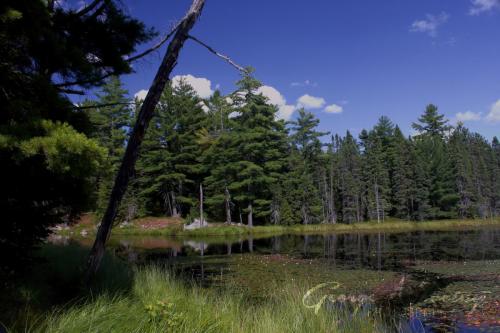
(162, 311)
(64, 150)
(49, 164)
(169, 166)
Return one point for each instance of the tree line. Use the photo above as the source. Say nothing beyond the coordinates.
(256, 169)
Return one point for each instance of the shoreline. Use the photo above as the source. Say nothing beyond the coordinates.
(222, 230)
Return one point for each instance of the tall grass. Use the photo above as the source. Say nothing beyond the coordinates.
(221, 230)
(275, 230)
(159, 302)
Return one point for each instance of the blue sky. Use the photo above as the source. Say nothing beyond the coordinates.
(364, 58)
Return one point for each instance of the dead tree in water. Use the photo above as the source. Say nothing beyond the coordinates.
(132, 151)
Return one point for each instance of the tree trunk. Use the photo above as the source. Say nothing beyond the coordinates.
(131, 153)
(175, 213)
(227, 201)
(377, 203)
(201, 205)
(250, 215)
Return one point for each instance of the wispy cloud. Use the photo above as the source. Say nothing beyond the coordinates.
(430, 24)
(482, 6)
(494, 114)
(334, 108)
(202, 86)
(468, 116)
(274, 97)
(306, 83)
(310, 102)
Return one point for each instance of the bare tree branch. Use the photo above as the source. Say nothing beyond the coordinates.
(129, 60)
(156, 46)
(95, 106)
(71, 91)
(224, 57)
(89, 8)
(136, 137)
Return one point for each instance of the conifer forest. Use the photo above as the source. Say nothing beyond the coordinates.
(249, 166)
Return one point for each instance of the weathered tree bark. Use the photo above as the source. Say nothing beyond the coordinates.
(227, 201)
(377, 202)
(131, 153)
(250, 215)
(175, 213)
(201, 205)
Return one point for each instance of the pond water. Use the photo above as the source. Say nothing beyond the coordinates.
(436, 281)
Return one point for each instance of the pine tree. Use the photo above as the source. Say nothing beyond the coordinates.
(110, 124)
(375, 169)
(403, 182)
(432, 123)
(170, 160)
(495, 145)
(432, 148)
(260, 141)
(350, 179)
(461, 159)
(218, 160)
(306, 167)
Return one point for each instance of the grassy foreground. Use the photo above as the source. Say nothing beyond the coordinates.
(159, 303)
(151, 299)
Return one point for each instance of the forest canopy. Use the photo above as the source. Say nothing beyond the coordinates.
(257, 169)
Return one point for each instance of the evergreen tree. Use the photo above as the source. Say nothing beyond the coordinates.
(110, 124)
(218, 159)
(350, 179)
(48, 162)
(306, 167)
(408, 189)
(432, 123)
(432, 148)
(495, 145)
(260, 141)
(461, 158)
(170, 161)
(375, 169)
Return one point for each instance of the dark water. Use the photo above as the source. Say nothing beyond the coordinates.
(381, 251)
(468, 262)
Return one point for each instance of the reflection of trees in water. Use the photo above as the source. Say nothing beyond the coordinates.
(377, 251)
(382, 250)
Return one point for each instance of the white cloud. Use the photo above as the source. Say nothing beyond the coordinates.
(310, 102)
(285, 112)
(494, 114)
(334, 108)
(468, 116)
(430, 24)
(481, 6)
(274, 97)
(201, 85)
(141, 94)
(305, 83)
(203, 106)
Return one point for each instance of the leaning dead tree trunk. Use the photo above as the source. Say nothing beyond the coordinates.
(131, 153)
